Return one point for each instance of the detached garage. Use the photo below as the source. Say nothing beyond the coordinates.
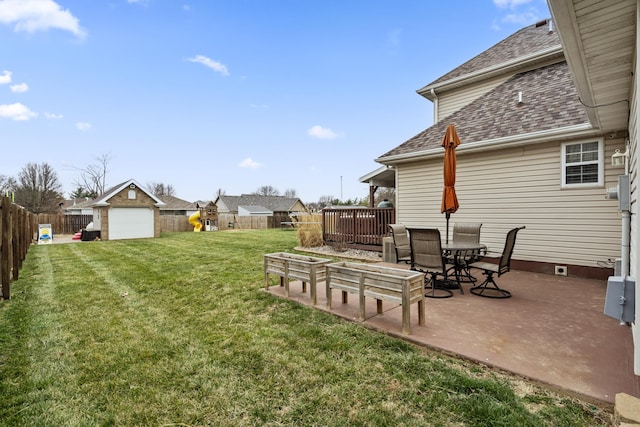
(127, 211)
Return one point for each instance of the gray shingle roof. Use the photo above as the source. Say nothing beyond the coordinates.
(274, 203)
(176, 204)
(550, 101)
(531, 39)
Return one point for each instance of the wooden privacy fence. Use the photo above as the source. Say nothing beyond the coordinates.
(64, 224)
(360, 228)
(226, 221)
(17, 230)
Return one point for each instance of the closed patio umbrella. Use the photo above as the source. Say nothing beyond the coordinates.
(449, 198)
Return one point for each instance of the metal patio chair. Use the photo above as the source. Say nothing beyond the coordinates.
(401, 243)
(467, 232)
(489, 288)
(427, 257)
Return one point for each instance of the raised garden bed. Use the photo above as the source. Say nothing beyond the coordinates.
(299, 267)
(402, 287)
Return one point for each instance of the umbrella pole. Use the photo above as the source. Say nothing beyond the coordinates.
(447, 215)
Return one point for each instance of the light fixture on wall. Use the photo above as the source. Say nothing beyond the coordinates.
(619, 159)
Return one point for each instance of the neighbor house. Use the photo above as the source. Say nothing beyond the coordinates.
(127, 211)
(78, 206)
(177, 206)
(278, 207)
(530, 155)
(600, 41)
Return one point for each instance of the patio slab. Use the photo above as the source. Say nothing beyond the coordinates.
(552, 330)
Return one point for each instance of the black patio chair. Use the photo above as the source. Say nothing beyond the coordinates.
(489, 288)
(401, 243)
(427, 257)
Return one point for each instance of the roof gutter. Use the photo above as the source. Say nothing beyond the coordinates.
(565, 133)
(518, 64)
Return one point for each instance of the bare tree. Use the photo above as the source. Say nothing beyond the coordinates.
(7, 184)
(290, 193)
(220, 192)
(93, 178)
(38, 189)
(267, 190)
(325, 201)
(161, 189)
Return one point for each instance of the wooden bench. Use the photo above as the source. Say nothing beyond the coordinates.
(292, 266)
(399, 286)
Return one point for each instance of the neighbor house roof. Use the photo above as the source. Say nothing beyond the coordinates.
(533, 43)
(173, 203)
(77, 203)
(261, 210)
(102, 200)
(274, 203)
(549, 101)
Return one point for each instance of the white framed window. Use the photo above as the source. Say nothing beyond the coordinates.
(583, 164)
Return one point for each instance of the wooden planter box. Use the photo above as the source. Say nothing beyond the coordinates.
(299, 267)
(402, 287)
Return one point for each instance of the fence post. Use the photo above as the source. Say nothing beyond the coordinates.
(16, 263)
(5, 248)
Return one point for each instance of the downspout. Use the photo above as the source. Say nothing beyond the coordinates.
(626, 225)
(435, 105)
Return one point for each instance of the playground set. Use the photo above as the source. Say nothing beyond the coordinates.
(205, 218)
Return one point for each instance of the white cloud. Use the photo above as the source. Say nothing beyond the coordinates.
(83, 126)
(53, 116)
(524, 18)
(16, 112)
(249, 163)
(5, 77)
(19, 88)
(208, 62)
(320, 132)
(38, 15)
(510, 4)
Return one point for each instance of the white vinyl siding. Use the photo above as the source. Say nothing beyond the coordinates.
(505, 188)
(452, 101)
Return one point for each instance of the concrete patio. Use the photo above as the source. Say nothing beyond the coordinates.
(552, 330)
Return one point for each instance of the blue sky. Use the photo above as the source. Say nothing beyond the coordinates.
(233, 94)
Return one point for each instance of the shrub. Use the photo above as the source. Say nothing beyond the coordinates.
(309, 229)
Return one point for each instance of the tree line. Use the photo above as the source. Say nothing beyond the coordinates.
(38, 189)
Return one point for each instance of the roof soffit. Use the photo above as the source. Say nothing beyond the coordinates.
(599, 43)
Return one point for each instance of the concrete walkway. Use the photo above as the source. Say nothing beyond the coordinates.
(552, 330)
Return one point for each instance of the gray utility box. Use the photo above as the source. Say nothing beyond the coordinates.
(620, 300)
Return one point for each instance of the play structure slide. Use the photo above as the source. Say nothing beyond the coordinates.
(194, 219)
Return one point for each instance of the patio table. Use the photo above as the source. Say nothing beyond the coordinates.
(457, 251)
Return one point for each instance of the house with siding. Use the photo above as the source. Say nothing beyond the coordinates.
(176, 206)
(600, 43)
(278, 205)
(530, 155)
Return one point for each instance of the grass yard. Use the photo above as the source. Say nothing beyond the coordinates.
(176, 331)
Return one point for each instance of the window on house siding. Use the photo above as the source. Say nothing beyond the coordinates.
(582, 164)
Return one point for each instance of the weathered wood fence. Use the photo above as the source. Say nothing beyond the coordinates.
(17, 232)
(65, 224)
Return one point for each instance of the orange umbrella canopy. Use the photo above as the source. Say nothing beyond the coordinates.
(449, 198)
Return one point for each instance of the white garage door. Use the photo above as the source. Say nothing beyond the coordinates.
(130, 223)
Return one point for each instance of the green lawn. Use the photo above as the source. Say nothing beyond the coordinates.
(177, 331)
